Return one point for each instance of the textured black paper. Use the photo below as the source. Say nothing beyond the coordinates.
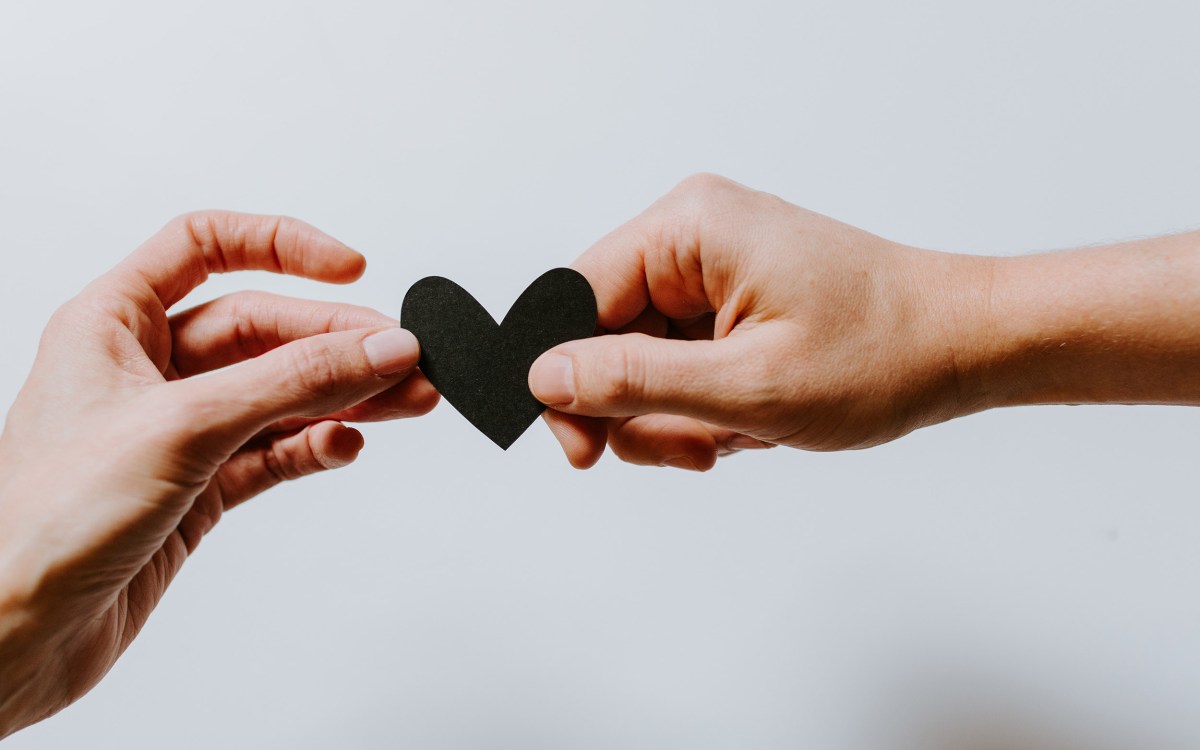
(482, 368)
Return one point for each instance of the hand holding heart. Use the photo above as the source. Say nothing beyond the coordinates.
(115, 461)
(737, 320)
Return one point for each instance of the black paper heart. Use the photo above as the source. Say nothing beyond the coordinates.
(483, 368)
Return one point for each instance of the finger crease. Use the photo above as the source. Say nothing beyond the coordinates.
(275, 464)
(274, 249)
(208, 245)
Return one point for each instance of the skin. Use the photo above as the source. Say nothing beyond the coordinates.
(740, 321)
(115, 460)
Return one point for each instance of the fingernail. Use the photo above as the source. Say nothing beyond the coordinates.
(682, 463)
(745, 442)
(552, 379)
(391, 351)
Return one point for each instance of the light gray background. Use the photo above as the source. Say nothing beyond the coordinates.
(1034, 572)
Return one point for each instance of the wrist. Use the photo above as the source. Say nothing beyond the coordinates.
(958, 349)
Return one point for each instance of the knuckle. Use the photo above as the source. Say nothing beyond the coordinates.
(181, 221)
(196, 224)
(199, 228)
(704, 188)
(205, 220)
(276, 464)
(100, 301)
(700, 205)
(314, 367)
(189, 217)
(267, 231)
(245, 309)
(619, 376)
(223, 236)
(65, 317)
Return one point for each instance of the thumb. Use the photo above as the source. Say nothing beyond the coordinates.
(632, 374)
(310, 377)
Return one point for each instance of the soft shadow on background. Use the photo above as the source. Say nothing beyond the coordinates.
(1026, 578)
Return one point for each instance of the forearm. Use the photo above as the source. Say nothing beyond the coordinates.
(1113, 324)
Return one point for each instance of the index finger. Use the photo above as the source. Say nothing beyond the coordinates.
(656, 258)
(182, 255)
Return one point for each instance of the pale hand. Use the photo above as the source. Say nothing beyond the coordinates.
(115, 460)
(739, 320)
